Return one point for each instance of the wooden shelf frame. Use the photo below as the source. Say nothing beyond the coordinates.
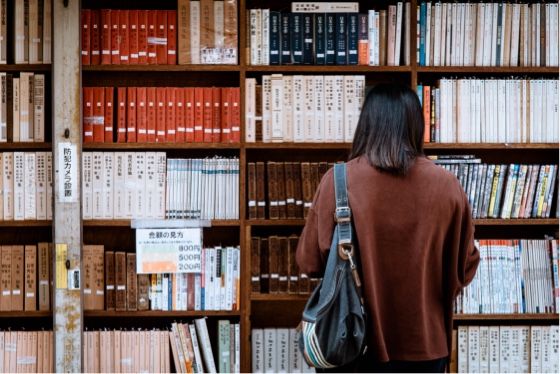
(39, 68)
(161, 314)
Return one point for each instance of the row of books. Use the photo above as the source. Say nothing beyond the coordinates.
(303, 108)
(490, 110)
(276, 350)
(25, 277)
(193, 354)
(274, 268)
(26, 186)
(32, 31)
(487, 34)
(330, 36)
(504, 191)
(161, 114)
(203, 188)
(514, 276)
(22, 107)
(123, 185)
(284, 189)
(111, 282)
(26, 352)
(506, 349)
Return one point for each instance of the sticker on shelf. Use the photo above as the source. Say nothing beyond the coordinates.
(67, 173)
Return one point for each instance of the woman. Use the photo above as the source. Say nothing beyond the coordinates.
(415, 234)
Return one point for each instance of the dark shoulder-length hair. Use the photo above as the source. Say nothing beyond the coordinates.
(390, 131)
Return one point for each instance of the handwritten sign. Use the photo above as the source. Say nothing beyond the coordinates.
(67, 173)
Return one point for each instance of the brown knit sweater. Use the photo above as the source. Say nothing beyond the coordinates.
(415, 236)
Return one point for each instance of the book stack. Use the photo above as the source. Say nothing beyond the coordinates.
(26, 186)
(490, 110)
(487, 34)
(192, 352)
(514, 276)
(276, 350)
(32, 31)
(274, 269)
(123, 185)
(161, 114)
(26, 277)
(303, 108)
(505, 349)
(26, 352)
(504, 191)
(22, 107)
(203, 188)
(284, 189)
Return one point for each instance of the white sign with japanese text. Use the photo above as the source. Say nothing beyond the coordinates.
(67, 173)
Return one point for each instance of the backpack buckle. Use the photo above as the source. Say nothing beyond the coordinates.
(342, 215)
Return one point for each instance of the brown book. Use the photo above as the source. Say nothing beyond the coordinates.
(252, 190)
(543, 34)
(273, 263)
(304, 285)
(88, 276)
(307, 187)
(272, 190)
(183, 32)
(261, 195)
(143, 292)
(255, 265)
(264, 265)
(281, 189)
(30, 298)
(190, 291)
(313, 283)
(120, 281)
(382, 37)
(17, 277)
(110, 280)
(283, 266)
(230, 32)
(258, 113)
(323, 168)
(131, 285)
(293, 272)
(44, 276)
(6, 280)
(289, 190)
(453, 359)
(506, 48)
(206, 26)
(315, 179)
(298, 189)
(9, 107)
(98, 278)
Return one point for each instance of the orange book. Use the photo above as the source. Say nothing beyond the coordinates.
(427, 113)
(109, 103)
(180, 115)
(160, 115)
(131, 115)
(161, 34)
(141, 115)
(198, 114)
(142, 37)
(363, 45)
(124, 48)
(235, 116)
(6, 278)
(115, 48)
(85, 16)
(88, 114)
(152, 34)
(30, 277)
(151, 114)
(207, 114)
(17, 277)
(226, 115)
(95, 37)
(121, 115)
(189, 114)
(98, 114)
(172, 37)
(133, 36)
(105, 36)
(170, 115)
(216, 114)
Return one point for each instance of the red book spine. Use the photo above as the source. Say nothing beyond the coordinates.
(161, 34)
(180, 115)
(160, 115)
(105, 36)
(124, 48)
(115, 45)
(152, 35)
(235, 115)
(131, 115)
(189, 114)
(216, 114)
(133, 36)
(98, 114)
(109, 103)
(95, 38)
(198, 114)
(141, 115)
(207, 114)
(172, 37)
(226, 115)
(121, 115)
(88, 114)
(86, 36)
(143, 37)
(427, 114)
(151, 113)
(170, 115)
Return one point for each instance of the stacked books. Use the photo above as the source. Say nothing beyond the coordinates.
(490, 110)
(504, 191)
(161, 114)
(31, 23)
(487, 34)
(329, 34)
(276, 350)
(303, 108)
(514, 276)
(27, 351)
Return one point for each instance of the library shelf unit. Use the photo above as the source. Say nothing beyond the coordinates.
(158, 314)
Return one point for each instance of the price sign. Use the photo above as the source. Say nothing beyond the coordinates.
(168, 250)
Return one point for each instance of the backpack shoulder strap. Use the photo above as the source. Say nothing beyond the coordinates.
(342, 214)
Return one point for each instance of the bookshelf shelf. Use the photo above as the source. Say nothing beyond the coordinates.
(160, 68)
(26, 314)
(24, 146)
(158, 146)
(261, 297)
(327, 69)
(507, 317)
(276, 222)
(30, 223)
(159, 314)
(478, 222)
(25, 67)
(488, 69)
(431, 146)
(126, 223)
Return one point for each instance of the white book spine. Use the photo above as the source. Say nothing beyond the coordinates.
(257, 350)
(283, 351)
(398, 33)
(480, 26)
(108, 184)
(30, 186)
(319, 101)
(97, 185)
(270, 351)
(287, 106)
(349, 95)
(371, 37)
(19, 183)
(536, 349)
(3, 106)
(266, 108)
(462, 349)
(47, 31)
(298, 108)
(118, 184)
(24, 107)
(339, 107)
(39, 107)
(195, 31)
(308, 108)
(19, 36)
(253, 36)
(295, 358)
(41, 180)
(250, 109)
(276, 108)
(140, 169)
(437, 35)
(49, 186)
(494, 343)
(265, 52)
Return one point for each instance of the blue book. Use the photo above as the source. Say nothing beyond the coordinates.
(330, 39)
(320, 39)
(296, 37)
(419, 92)
(352, 42)
(274, 40)
(170, 292)
(423, 11)
(341, 30)
(285, 48)
(308, 38)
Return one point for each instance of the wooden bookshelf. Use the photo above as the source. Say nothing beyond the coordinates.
(160, 68)
(477, 222)
(157, 146)
(28, 223)
(38, 68)
(26, 314)
(528, 317)
(126, 223)
(159, 314)
(25, 146)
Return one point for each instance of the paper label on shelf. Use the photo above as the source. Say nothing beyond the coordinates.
(74, 279)
(67, 173)
(61, 252)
